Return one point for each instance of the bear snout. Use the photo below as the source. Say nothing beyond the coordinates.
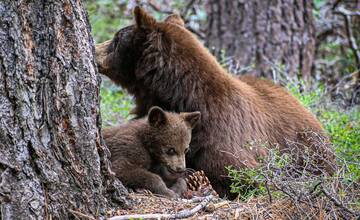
(101, 54)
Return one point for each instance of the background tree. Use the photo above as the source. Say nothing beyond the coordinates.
(52, 156)
(263, 34)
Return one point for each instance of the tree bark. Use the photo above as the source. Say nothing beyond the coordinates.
(263, 33)
(52, 155)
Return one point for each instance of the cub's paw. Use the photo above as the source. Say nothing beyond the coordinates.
(179, 187)
(171, 194)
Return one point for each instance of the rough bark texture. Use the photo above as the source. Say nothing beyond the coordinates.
(263, 33)
(52, 156)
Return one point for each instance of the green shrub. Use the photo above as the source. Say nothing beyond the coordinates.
(309, 98)
(106, 18)
(251, 182)
(247, 182)
(343, 128)
(115, 104)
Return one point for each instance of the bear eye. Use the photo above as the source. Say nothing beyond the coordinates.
(171, 151)
(186, 150)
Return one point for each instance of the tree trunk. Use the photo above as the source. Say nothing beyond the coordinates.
(52, 155)
(263, 33)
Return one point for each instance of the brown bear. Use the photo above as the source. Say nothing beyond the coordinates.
(164, 64)
(149, 153)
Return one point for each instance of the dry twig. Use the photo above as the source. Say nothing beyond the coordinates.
(211, 207)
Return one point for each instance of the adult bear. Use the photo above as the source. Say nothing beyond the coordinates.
(163, 64)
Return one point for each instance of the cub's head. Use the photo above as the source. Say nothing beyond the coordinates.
(148, 47)
(168, 138)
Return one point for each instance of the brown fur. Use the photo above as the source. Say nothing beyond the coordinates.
(162, 63)
(150, 153)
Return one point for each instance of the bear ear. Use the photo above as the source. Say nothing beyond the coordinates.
(191, 118)
(157, 116)
(143, 19)
(175, 19)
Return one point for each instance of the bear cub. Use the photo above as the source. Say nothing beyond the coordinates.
(149, 153)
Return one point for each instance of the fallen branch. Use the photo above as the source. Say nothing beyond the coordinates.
(211, 207)
(182, 214)
(193, 200)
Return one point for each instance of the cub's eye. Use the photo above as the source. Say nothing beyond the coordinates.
(171, 151)
(186, 150)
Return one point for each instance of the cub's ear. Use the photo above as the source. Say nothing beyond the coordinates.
(192, 118)
(143, 19)
(175, 19)
(157, 116)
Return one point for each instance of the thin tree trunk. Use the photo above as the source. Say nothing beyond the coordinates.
(263, 33)
(52, 156)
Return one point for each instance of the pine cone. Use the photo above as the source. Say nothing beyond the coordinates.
(199, 185)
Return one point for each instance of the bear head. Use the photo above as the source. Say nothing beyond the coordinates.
(140, 55)
(168, 139)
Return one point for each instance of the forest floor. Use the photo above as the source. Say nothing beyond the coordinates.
(149, 206)
(213, 208)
